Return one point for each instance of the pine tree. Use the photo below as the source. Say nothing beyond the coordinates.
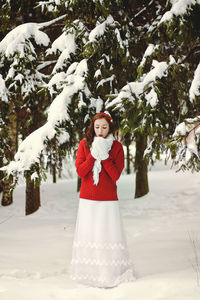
(107, 38)
(159, 98)
(131, 101)
(131, 54)
(20, 98)
(183, 27)
(92, 61)
(175, 41)
(97, 53)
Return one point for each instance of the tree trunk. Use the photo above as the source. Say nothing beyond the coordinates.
(78, 184)
(54, 173)
(1, 175)
(141, 183)
(32, 196)
(60, 171)
(128, 170)
(7, 198)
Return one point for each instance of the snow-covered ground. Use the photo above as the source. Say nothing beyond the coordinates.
(35, 250)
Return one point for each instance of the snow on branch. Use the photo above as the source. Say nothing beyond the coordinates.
(66, 44)
(30, 149)
(178, 8)
(138, 87)
(49, 23)
(100, 29)
(194, 89)
(3, 90)
(45, 64)
(142, 10)
(103, 81)
(150, 49)
(15, 40)
(188, 134)
(51, 5)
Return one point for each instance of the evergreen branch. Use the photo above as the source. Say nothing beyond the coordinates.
(49, 23)
(194, 49)
(186, 135)
(46, 64)
(193, 129)
(142, 10)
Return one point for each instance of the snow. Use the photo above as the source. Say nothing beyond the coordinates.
(185, 127)
(179, 7)
(100, 29)
(48, 23)
(3, 90)
(98, 103)
(14, 41)
(150, 49)
(66, 44)
(30, 149)
(119, 39)
(191, 143)
(103, 81)
(63, 137)
(34, 176)
(189, 131)
(194, 89)
(152, 98)
(97, 73)
(180, 130)
(56, 80)
(63, 42)
(35, 250)
(158, 70)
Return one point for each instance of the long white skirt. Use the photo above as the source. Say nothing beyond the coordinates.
(100, 255)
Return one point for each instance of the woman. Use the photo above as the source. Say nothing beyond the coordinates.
(100, 256)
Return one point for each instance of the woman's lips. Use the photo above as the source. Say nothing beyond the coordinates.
(101, 135)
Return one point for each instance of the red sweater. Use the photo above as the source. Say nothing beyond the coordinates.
(110, 172)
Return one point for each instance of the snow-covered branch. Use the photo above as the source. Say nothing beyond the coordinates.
(31, 148)
(66, 44)
(103, 81)
(188, 134)
(15, 40)
(49, 23)
(100, 29)
(142, 10)
(3, 90)
(178, 8)
(51, 5)
(138, 87)
(194, 89)
(148, 52)
(45, 64)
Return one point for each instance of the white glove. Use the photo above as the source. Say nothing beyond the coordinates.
(99, 148)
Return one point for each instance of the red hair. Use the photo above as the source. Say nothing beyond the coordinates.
(90, 133)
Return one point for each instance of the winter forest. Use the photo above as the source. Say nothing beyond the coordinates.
(63, 61)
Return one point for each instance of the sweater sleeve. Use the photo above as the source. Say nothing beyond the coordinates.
(114, 166)
(83, 164)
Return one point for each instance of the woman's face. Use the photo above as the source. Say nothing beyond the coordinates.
(101, 127)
